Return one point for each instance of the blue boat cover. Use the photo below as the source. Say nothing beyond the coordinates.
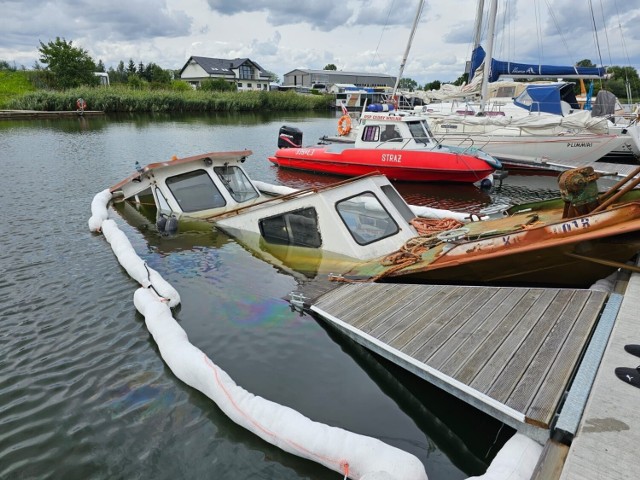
(499, 67)
(547, 98)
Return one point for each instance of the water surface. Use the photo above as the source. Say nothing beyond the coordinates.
(83, 390)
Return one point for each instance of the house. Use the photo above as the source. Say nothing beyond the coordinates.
(244, 73)
(327, 78)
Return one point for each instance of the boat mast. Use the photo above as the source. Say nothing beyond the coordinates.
(493, 9)
(477, 36)
(478, 26)
(406, 52)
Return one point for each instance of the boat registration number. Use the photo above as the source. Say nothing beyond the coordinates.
(308, 152)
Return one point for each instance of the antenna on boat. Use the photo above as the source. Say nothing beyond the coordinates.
(406, 52)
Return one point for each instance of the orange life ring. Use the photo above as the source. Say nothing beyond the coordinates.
(81, 104)
(344, 125)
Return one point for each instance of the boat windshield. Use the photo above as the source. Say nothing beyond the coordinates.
(195, 191)
(366, 218)
(236, 182)
(420, 131)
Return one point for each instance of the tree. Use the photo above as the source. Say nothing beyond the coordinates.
(273, 78)
(464, 78)
(407, 84)
(4, 65)
(585, 63)
(70, 66)
(435, 85)
(100, 66)
(330, 66)
(131, 68)
(155, 74)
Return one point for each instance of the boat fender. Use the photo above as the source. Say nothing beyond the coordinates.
(351, 454)
(99, 210)
(516, 460)
(486, 184)
(171, 226)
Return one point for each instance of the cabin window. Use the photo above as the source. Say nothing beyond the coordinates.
(391, 134)
(420, 131)
(366, 219)
(371, 133)
(161, 200)
(195, 191)
(236, 182)
(298, 228)
(398, 202)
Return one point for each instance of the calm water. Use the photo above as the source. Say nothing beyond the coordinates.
(83, 390)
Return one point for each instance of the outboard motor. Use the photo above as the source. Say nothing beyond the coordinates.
(289, 137)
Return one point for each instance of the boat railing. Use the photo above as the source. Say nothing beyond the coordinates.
(464, 141)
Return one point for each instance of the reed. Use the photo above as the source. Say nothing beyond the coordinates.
(124, 99)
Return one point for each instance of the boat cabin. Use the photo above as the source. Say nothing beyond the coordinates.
(360, 219)
(197, 186)
(394, 130)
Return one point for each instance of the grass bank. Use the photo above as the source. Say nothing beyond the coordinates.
(13, 84)
(124, 99)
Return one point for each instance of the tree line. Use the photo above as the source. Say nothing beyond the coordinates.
(69, 66)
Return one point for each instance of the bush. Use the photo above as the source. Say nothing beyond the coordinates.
(124, 99)
(180, 86)
(217, 85)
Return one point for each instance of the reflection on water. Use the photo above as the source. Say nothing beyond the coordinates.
(80, 377)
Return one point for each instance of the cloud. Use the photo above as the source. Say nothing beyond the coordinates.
(118, 20)
(266, 48)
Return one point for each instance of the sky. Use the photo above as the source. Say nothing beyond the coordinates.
(355, 35)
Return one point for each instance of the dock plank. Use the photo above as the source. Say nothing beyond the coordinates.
(515, 347)
(548, 395)
(515, 367)
(472, 333)
(499, 331)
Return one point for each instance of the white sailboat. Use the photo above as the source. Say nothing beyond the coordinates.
(522, 139)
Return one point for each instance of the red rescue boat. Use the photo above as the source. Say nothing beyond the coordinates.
(397, 144)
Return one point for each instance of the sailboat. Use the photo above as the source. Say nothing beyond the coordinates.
(516, 137)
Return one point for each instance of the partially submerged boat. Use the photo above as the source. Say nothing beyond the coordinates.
(399, 145)
(363, 230)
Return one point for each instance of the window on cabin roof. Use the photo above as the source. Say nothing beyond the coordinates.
(195, 191)
(237, 183)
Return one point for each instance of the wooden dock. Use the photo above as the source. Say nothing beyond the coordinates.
(510, 352)
(41, 114)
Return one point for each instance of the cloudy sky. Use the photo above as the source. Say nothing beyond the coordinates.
(355, 35)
